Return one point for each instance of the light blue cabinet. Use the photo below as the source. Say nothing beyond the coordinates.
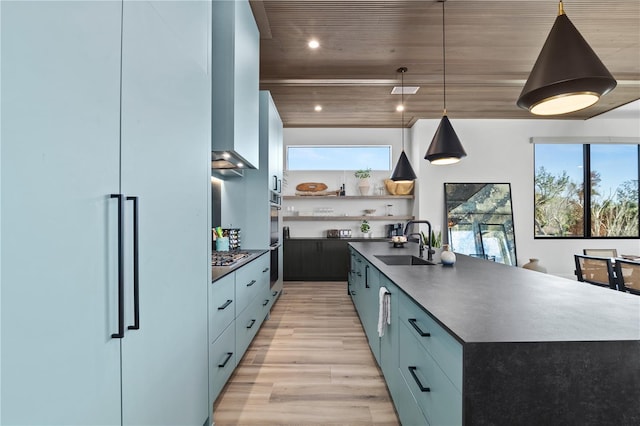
(236, 75)
(76, 129)
(238, 305)
(60, 113)
(414, 354)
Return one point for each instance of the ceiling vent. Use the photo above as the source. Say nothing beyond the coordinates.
(406, 90)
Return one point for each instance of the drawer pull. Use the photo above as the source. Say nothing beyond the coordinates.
(366, 276)
(251, 323)
(227, 303)
(274, 294)
(412, 321)
(412, 370)
(266, 302)
(265, 270)
(226, 360)
(251, 283)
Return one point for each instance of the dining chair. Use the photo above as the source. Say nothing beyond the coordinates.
(628, 273)
(601, 252)
(595, 270)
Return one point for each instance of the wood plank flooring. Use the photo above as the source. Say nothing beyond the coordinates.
(309, 364)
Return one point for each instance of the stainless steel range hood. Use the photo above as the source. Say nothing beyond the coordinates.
(228, 163)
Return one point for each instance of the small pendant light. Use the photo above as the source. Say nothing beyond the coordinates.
(403, 170)
(445, 146)
(568, 76)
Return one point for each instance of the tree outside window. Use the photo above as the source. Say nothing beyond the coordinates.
(608, 209)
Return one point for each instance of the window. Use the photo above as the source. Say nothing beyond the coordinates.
(339, 157)
(608, 209)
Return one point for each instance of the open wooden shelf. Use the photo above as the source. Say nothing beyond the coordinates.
(348, 197)
(328, 218)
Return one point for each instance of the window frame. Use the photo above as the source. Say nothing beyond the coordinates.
(586, 163)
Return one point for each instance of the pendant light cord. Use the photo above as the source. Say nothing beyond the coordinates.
(402, 110)
(444, 67)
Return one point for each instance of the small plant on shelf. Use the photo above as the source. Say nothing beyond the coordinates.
(365, 227)
(363, 173)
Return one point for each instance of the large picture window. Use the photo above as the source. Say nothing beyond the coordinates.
(339, 157)
(608, 208)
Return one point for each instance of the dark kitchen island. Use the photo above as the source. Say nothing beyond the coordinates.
(506, 345)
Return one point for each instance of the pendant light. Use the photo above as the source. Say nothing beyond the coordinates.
(568, 76)
(403, 170)
(445, 147)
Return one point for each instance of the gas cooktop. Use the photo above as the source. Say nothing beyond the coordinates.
(227, 258)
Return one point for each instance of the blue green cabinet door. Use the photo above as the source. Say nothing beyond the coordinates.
(60, 156)
(166, 163)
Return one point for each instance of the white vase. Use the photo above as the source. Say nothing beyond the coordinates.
(447, 257)
(363, 186)
(534, 265)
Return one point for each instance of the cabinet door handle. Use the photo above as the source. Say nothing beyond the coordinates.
(414, 324)
(353, 293)
(275, 183)
(226, 360)
(227, 303)
(136, 275)
(366, 276)
(412, 370)
(265, 270)
(251, 283)
(266, 302)
(274, 294)
(251, 323)
(120, 333)
(279, 186)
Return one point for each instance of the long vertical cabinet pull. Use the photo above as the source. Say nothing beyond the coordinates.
(136, 275)
(120, 333)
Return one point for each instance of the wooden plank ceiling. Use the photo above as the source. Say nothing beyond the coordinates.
(490, 49)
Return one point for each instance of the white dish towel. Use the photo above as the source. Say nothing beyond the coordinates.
(384, 312)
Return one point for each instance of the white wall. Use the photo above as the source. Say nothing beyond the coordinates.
(342, 136)
(500, 151)
(497, 151)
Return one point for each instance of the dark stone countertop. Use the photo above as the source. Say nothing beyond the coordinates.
(480, 301)
(218, 272)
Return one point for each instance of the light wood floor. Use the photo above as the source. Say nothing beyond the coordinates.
(309, 364)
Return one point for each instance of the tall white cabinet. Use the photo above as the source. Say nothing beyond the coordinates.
(102, 98)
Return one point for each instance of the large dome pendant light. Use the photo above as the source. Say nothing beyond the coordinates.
(445, 147)
(568, 76)
(403, 170)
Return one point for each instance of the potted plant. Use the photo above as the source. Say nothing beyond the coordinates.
(363, 185)
(365, 228)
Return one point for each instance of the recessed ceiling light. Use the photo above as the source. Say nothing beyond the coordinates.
(240, 165)
(406, 90)
(314, 44)
(318, 108)
(226, 156)
(400, 108)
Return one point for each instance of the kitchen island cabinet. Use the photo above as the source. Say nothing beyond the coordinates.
(484, 343)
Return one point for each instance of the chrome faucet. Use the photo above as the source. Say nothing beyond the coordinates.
(420, 242)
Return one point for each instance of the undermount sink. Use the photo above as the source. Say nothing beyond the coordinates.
(403, 259)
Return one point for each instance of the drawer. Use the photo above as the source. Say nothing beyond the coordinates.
(222, 361)
(247, 325)
(444, 349)
(437, 397)
(273, 296)
(222, 307)
(248, 279)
